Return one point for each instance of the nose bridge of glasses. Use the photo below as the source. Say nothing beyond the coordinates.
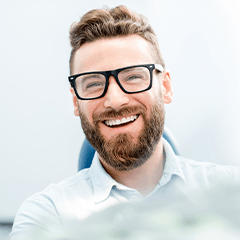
(113, 73)
(115, 96)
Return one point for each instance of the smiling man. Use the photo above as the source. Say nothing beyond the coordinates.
(119, 86)
(120, 97)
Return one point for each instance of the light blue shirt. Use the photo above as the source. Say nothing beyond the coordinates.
(61, 207)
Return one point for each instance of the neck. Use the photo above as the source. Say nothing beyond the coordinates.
(144, 178)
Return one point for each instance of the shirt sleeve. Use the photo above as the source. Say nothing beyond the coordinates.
(36, 219)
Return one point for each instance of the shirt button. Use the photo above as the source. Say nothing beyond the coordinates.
(116, 188)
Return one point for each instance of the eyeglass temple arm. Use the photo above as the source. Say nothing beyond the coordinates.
(159, 67)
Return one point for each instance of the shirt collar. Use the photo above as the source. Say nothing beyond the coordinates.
(102, 182)
(172, 166)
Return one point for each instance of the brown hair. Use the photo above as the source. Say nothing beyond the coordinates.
(106, 23)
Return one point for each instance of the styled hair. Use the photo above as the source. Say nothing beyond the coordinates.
(107, 23)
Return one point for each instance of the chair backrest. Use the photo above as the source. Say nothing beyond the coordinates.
(87, 151)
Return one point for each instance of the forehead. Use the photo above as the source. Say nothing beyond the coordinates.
(112, 53)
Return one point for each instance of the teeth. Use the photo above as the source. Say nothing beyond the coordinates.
(120, 121)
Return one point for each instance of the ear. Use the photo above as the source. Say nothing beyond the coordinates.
(75, 102)
(167, 87)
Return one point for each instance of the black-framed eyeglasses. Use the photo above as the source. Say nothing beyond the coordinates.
(133, 79)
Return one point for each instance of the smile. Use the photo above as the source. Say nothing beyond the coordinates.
(124, 120)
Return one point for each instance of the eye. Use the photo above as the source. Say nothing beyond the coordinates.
(132, 77)
(92, 82)
(94, 85)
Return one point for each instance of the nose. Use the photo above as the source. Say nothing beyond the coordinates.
(115, 98)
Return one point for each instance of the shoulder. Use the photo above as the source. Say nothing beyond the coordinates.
(207, 172)
(79, 183)
(81, 178)
(48, 211)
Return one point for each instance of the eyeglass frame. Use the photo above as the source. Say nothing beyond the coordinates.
(115, 73)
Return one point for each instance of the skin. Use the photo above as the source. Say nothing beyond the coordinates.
(110, 54)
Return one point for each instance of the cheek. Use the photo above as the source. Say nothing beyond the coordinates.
(152, 96)
(88, 108)
(158, 86)
(157, 91)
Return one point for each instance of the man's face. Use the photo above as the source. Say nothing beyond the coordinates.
(128, 145)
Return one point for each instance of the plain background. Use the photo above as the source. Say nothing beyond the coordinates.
(40, 138)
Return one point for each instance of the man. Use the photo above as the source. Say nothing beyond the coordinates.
(119, 86)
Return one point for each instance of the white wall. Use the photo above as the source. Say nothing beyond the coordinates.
(39, 136)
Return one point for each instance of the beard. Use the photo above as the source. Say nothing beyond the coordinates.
(120, 151)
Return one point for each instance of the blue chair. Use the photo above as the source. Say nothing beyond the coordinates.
(87, 151)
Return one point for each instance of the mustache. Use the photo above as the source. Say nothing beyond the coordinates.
(99, 117)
